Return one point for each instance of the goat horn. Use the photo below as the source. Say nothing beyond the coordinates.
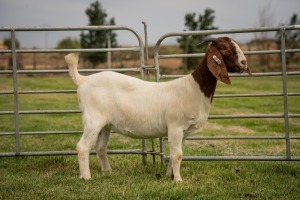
(208, 40)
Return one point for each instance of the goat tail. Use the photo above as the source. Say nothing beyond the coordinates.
(72, 61)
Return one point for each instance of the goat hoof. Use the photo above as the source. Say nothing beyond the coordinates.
(169, 174)
(177, 180)
(85, 177)
(106, 170)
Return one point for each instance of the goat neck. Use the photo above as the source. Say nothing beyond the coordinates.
(205, 79)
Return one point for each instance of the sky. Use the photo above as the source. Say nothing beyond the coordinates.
(161, 16)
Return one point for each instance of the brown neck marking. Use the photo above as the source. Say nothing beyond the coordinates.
(205, 79)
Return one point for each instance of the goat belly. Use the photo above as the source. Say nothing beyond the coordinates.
(141, 132)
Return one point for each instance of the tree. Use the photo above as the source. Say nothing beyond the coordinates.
(189, 43)
(97, 39)
(7, 43)
(68, 43)
(292, 38)
(263, 41)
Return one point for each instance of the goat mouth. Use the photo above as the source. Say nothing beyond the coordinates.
(245, 69)
(248, 71)
(239, 69)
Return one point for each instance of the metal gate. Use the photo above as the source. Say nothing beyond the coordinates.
(15, 72)
(285, 113)
(142, 70)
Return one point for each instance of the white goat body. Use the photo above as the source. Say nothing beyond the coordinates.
(137, 108)
(141, 109)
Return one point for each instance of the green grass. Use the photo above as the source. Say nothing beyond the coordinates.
(56, 177)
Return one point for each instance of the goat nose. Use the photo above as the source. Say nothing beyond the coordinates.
(244, 62)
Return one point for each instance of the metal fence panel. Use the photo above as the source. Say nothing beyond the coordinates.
(285, 115)
(144, 69)
(16, 92)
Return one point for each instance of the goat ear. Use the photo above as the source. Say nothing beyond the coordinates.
(208, 40)
(216, 64)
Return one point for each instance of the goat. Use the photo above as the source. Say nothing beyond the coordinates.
(140, 109)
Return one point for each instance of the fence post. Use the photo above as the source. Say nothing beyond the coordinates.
(108, 53)
(285, 95)
(15, 89)
(161, 151)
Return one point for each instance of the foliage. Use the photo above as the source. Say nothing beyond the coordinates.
(292, 38)
(7, 43)
(97, 39)
(189, 43)
(68, 43)
(265, 19)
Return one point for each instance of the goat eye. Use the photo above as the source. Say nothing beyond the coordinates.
(225, 51)
(222, 48)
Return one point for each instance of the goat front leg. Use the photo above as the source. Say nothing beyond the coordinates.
(175, 138)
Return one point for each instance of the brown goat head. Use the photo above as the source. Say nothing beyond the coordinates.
(223, 56)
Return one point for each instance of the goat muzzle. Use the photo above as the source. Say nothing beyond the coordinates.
(244, 69)
(248, 71)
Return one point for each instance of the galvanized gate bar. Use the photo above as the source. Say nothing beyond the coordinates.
(42, 133)
(196, 55)
(242, 138)
(59, 153)
(15, 88)
(30, 112)
(71, 50)
(66, 71)
(216, 96)
(237, 158)
(238, 75)
(285, 96)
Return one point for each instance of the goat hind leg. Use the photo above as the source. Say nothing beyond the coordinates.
(170, 169)
(101, 149)
(86, 142)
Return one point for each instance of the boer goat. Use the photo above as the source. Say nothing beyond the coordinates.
(140, 109)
